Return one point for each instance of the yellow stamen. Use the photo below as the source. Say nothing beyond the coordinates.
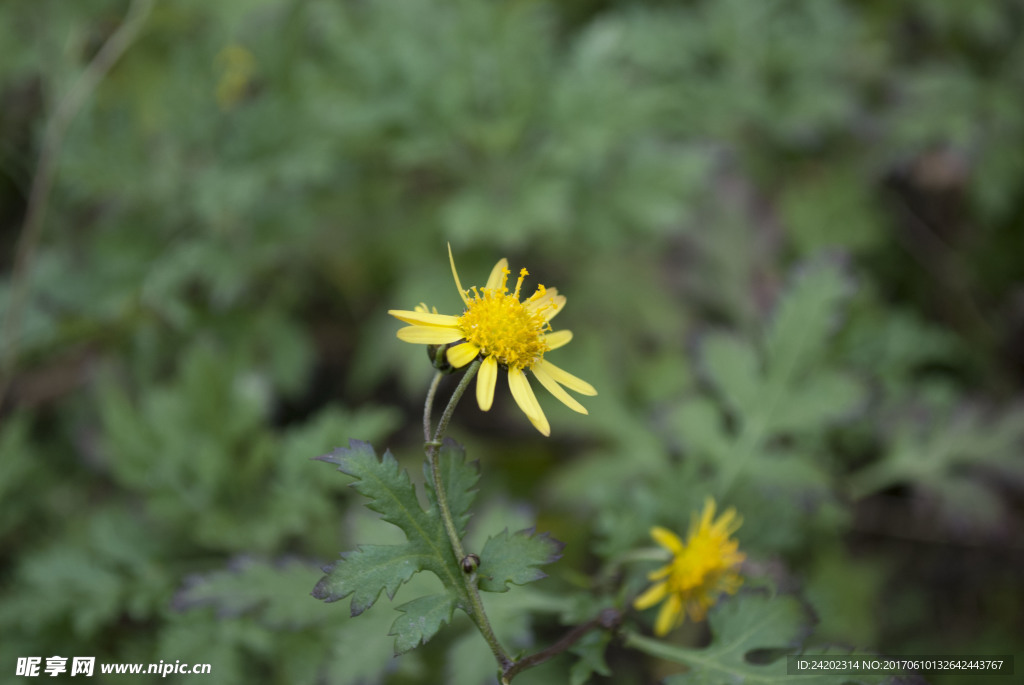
(523, 273)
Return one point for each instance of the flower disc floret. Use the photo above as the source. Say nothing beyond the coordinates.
(505, 328)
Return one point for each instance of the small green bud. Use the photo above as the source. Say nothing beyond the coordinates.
(439, 358)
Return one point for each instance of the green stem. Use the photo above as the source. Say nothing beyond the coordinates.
(428, 405)
(446, 416)
(476, 612)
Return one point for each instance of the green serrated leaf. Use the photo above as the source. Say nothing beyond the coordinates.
(420, 620)
(367, 571)
(389, 489)
(740, 625)
(514, 558)
(460, 480)
(371, 569)
(393, 496)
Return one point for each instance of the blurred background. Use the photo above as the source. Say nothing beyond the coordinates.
(801, 217)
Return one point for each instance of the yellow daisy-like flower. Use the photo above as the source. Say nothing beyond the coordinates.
(701, 569)
(506, 333)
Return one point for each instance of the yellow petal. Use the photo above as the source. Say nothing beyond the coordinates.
(494, 280)
(462, 293)
(460, 355)
(565, 378)
(729, 522)
(667, 539)
(708, 514)
(486, 377)
(558, 304)
(663, 572)
(652, 596)
(424, 318)
(527, 401)
(558, 339)
(555, 389)
(669, 615)
(429, 335)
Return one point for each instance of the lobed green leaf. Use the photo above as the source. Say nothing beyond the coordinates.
(514, 558)
(740, 626)
(373, 569)
(420, 620)
(389, 488)
(367, 571)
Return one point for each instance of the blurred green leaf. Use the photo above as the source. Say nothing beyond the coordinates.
(590, 650)
(959, 456)
(109, 566)
(805, 317)
(271, 590)
(739, 626)
(784, 390)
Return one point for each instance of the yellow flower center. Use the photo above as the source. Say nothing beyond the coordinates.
(503, 327)
(704, 565)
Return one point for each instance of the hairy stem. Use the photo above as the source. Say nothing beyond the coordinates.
(446, 416)
(428, 405)
(433, 446)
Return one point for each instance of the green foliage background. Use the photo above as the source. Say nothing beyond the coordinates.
(789, 232)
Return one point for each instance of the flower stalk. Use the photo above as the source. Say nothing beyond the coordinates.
(433, 445)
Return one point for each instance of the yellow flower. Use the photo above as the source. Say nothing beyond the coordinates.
(700, 570)
(506, 333)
